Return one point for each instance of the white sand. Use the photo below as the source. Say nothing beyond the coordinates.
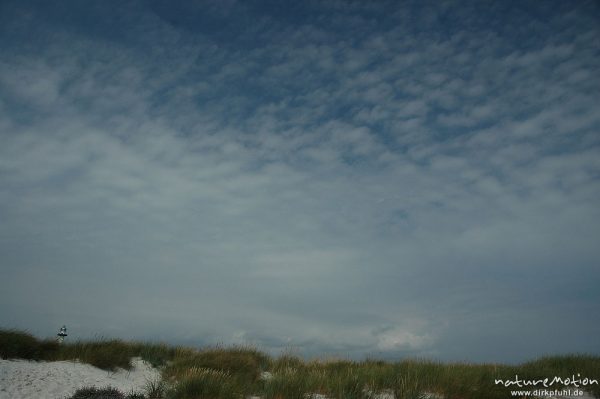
(22, 379)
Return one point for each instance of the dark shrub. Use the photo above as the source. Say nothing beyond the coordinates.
(106, 355)
(48, 349)
(96, 393)
(17, 344)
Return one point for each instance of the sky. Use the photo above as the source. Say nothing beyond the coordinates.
(329, 178)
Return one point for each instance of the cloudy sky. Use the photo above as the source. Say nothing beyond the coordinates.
(333, 177)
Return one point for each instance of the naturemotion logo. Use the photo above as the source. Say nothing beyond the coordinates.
(548, 382)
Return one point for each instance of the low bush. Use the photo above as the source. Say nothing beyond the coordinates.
(103, 393)
(17, 344)
(106, 355)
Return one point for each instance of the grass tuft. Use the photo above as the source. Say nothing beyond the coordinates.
(245, 363)
(286, 383)
(205, 383)
(156, 389)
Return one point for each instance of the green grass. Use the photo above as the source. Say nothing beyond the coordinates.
(238, 369)
(107, 355)
(564, 366)
(287, 383)
(245, 363)
(206, 383)
(235, 372)
(22, 345)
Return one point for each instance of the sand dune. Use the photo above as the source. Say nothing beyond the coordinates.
(22, 379)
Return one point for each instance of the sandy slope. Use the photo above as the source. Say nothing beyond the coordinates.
(21, 379)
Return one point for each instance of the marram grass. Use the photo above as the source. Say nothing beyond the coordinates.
(238, 372)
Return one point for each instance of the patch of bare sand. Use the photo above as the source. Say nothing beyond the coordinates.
(23, 379)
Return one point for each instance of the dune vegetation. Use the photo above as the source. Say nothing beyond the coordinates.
(241, 372)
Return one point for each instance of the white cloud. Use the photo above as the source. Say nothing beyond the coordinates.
(321, 186)
(400, 339)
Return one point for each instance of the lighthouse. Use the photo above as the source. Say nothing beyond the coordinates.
(62, 333)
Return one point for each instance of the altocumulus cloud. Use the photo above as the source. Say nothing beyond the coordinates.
(389, 179)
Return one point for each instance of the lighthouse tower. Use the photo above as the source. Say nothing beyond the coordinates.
(62, 334)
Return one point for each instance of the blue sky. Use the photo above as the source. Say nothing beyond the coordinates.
(341, 178)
